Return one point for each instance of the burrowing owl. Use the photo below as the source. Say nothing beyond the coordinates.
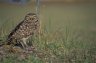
(28, 27)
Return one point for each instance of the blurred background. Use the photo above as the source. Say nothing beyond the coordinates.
(56, 11)
(49, 0)
(68, 27)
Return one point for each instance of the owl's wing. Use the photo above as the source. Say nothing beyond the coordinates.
(16, 29)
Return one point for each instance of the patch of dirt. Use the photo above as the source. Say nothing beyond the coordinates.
(6, 50)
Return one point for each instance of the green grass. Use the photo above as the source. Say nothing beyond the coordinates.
(68, 32)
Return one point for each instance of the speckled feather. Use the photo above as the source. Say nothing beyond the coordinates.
(28, 27)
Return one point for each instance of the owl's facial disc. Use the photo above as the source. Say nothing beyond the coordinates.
(31, 17)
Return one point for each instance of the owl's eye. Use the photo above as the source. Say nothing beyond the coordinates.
(31, 18)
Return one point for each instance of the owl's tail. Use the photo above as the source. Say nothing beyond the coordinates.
(7, 42)
(2, 42)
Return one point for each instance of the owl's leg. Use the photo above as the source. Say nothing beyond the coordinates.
(23, 43)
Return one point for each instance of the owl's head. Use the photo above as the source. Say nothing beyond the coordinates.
(31, 16)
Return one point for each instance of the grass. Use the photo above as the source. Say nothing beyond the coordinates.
(68, 33)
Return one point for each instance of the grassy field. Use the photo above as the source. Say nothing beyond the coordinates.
(68, 32)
